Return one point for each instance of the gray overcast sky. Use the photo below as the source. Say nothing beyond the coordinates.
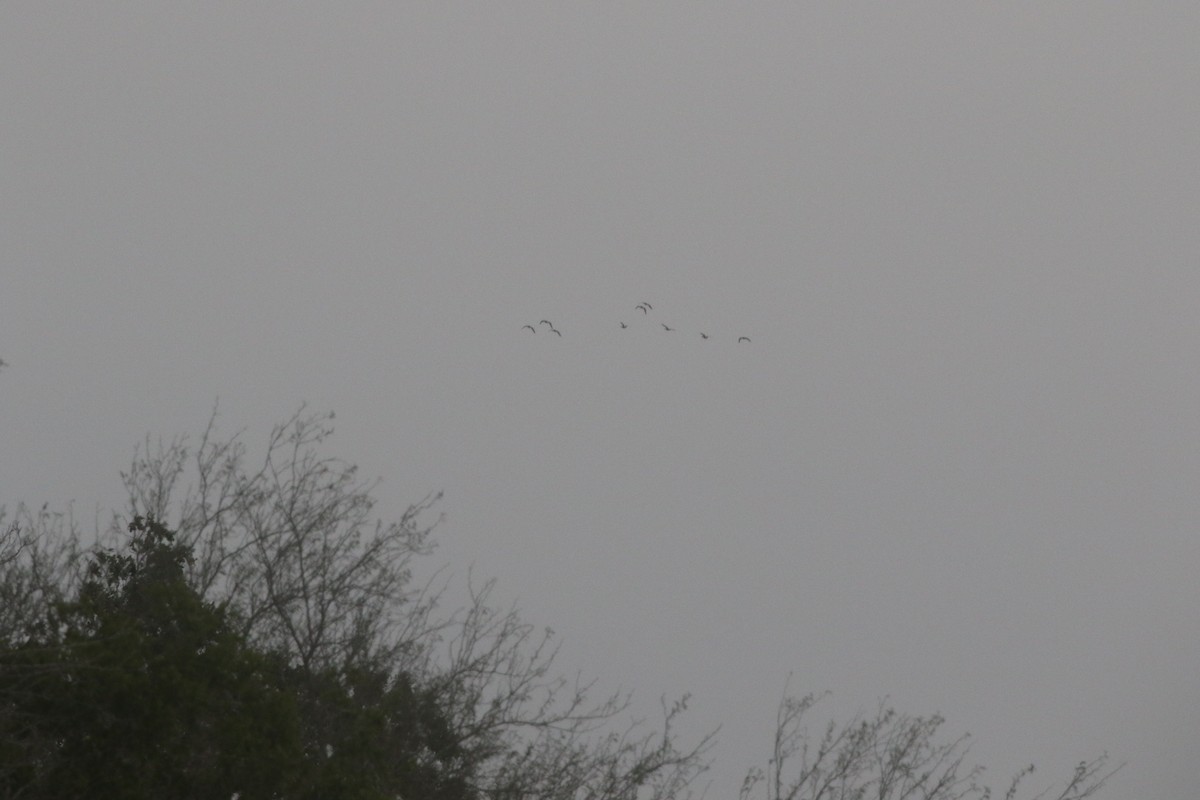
(957, 465)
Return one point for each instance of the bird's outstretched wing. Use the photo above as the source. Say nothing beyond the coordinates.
(556, 330)
(743, 339)
(665, 328)
(523, 327)
(642, 307)
(623, 325)
(546, 322)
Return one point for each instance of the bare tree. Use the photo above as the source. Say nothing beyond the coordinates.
(543, 736)
(289, 545)
(40, 563)
(886, 756)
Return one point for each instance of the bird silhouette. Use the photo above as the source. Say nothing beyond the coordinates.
(743, 339)
(547, 322)
(647, 305)
(623, 325)
(665, 328)
(703, 335)
(555, 330)
(523, 327)
(642, 306)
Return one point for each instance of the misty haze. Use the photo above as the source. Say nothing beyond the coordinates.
(811, 362)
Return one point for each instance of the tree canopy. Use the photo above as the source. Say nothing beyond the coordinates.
(253, 630)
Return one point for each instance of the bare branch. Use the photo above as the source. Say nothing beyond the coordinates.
(885, 756)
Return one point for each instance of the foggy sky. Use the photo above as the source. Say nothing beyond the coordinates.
(957, 465)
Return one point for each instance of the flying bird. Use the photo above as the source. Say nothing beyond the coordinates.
(623, 325)
(743, 339)
(547, 322)
(703, 335)
(643, 307)
(665, 328)
(555, 330)
(523, 327)
(647, 305)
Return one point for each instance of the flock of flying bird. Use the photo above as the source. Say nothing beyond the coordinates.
(644, 307)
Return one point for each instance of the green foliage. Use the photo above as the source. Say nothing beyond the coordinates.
(369, 735)
(139, 688)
